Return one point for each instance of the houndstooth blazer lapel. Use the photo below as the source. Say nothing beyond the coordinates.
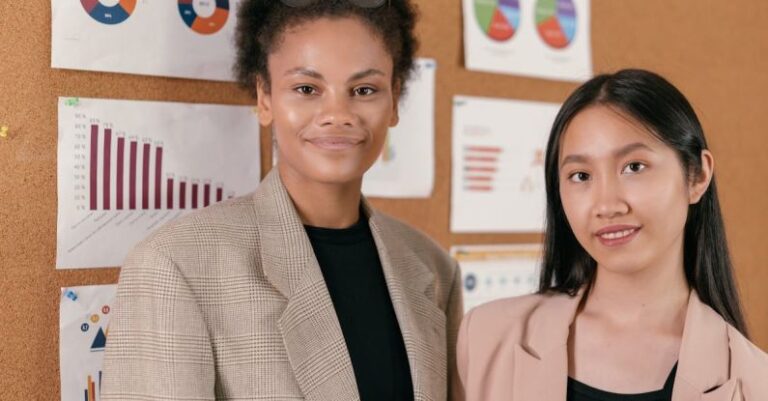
(411, 287)
(311, 331)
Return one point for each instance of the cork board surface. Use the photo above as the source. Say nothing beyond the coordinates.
(716, 52)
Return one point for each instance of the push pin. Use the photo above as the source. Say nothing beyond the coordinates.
(4, 131)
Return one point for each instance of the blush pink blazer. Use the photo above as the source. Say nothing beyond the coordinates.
(515, 349)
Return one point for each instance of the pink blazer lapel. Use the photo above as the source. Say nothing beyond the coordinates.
(703, 372)
(541, 359)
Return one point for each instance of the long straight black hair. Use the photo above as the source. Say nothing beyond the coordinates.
(665, 112)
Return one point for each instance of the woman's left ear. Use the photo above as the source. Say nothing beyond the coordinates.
(699, 183)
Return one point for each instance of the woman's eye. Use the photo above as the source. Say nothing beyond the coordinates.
(364, 91)
(634, 167)
(579, 176)
(305, 90)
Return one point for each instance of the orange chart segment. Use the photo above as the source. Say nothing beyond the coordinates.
(556, 22)
(204, 25)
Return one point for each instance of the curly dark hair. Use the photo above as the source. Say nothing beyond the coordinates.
(261, 22)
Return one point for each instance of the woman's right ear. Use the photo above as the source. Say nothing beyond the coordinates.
(263, 102)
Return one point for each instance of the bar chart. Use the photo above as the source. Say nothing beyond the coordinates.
(144, 191)
(498, 164)
(125, 168)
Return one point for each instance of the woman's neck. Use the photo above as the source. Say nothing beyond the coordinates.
(655, 296)
(328, 205)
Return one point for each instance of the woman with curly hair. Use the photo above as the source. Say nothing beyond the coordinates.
(300, 290)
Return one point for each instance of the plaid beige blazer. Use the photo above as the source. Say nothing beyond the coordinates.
(229, 303)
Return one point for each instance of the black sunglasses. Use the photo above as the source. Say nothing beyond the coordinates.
(359, 3)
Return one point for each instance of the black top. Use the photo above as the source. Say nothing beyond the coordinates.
(353, 274)
(578, 391)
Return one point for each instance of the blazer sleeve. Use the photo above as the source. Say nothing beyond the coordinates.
(454, 313)
(158, 346)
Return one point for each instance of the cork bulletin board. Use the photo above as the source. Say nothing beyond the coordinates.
(716, 52)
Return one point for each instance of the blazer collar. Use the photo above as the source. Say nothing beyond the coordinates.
(309, 325)
(541, 358)
(311, 331)
(703, 365)
(704, 362)
(411, 286)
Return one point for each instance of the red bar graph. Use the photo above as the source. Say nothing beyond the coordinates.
(194, 194)
(107, 167)
(132, 176)
(169, 193)
(120, 163)
(182, 193)
(113, 173)
(158, 176)
(145, 177)
(94, 166)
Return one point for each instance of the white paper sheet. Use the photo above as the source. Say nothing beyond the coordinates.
(498, 164)
(406, 168)
(491, 272)
(84, 314)
(538, 38)
(174, 38)
(127, 167)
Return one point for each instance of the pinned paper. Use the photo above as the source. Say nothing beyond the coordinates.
(84, 315)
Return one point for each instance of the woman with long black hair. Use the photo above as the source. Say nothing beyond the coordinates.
(637, 299)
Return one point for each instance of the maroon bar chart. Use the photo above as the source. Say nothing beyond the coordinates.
(153, 181)
(125, 168)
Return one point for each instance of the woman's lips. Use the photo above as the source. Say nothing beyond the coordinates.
(335, 142)
(617, 235)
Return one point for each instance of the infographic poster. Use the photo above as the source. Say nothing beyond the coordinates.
(539, 38)
(406, 167)
(174, 38)
(84, 314)
(127, 167)
(491, 272)
(498, 164)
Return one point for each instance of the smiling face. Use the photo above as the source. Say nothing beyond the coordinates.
(331, 100)
(624, 192)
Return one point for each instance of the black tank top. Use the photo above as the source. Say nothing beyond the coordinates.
(578, 391)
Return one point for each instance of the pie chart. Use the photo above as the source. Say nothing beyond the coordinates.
(109, 14)
(499, 19)
(205, 25)
(556, 22)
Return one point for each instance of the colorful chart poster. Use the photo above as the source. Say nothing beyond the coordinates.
(538, 38)
(84, 314)
(174, 38)
(498, 164)
(491, 272)
(406, 168)
(126, 167)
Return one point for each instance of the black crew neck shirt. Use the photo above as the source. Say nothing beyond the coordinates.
(353, 274)
(578, 391)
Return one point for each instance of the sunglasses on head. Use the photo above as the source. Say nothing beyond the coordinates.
(359, 3)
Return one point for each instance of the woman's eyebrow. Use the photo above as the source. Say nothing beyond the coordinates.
(305, 71)
(621, 152)
(364, 74)
(625, 150)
